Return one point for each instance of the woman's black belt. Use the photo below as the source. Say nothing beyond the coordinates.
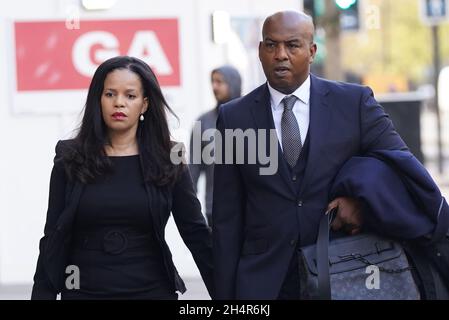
(113, 241)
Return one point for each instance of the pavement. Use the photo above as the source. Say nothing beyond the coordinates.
(195, 291)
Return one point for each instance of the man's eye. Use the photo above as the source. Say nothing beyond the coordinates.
(293, 45)
(270, 45)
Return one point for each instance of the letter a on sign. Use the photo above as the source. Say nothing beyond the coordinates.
(147, 47)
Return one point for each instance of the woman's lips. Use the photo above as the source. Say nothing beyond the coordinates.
(119, 116)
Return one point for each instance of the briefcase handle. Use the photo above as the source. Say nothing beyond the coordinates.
(322, 256)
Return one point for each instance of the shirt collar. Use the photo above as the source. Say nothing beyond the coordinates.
(302, 93)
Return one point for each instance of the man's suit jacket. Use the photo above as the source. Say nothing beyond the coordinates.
(64, 197)
(258, 220)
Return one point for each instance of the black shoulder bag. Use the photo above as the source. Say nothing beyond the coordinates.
(360, 267)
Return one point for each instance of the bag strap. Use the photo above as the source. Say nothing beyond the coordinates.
(423, 268)
(322, 257)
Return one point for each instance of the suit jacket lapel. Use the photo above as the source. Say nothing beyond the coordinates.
(318, 127)
(263, 116)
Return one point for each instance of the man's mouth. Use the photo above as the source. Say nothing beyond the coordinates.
(281, 71)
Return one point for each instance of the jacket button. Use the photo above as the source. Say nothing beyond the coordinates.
(300, 203)
(294, 177)
(292, 242)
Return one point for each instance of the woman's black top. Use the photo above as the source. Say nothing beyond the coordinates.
(114, 247)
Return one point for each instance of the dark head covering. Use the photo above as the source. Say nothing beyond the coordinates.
(232, 78)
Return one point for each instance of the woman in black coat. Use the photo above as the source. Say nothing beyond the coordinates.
(112, 189)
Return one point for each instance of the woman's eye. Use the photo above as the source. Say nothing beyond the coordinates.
(108, 94)
(130, 96)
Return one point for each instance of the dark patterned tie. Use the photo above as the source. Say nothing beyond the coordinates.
(291, 137)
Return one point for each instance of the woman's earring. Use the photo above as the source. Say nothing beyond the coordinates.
(142, 117)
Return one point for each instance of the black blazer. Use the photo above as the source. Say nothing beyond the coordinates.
(62, 206)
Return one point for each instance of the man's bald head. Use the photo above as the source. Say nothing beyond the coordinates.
(291, 19)
(287, 49)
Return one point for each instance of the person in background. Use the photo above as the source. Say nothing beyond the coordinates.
(226, 85)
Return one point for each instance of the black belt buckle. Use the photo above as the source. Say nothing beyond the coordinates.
(115, 242)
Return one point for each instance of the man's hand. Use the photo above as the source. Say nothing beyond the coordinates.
(349, 216)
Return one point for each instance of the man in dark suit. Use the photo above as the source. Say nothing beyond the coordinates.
(260, 221)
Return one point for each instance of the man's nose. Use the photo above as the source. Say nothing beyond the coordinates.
(281, 52)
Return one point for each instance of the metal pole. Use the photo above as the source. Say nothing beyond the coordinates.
(436, 68)
(330, 21)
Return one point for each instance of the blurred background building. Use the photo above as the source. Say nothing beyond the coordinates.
(49, 49)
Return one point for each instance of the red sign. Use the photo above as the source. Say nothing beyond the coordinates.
(50, 56)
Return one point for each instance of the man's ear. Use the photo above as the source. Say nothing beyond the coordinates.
(313, 49)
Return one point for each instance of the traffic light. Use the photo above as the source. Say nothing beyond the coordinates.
(349, 14)
(345, 4)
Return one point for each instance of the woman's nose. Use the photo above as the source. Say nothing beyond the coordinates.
(120, 101)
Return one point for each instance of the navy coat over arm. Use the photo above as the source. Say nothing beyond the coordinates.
(399, 197)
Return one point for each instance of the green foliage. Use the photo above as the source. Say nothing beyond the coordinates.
(399, 44)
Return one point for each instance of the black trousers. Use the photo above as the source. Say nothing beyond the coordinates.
(290, 289)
